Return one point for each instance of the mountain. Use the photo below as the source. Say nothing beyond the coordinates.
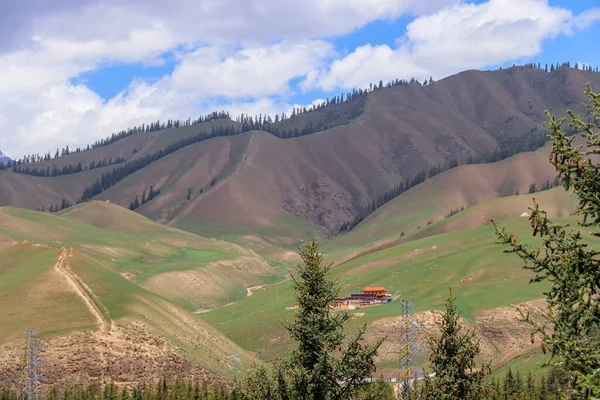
(4, 159)
(264, 190)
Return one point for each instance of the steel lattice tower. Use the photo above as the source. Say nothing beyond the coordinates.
(30, 376)
(409, 372)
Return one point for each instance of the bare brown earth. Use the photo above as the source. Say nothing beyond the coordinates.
(158, 340)
(127, 355)
(283, 190)
(502, 336)
(101, 356)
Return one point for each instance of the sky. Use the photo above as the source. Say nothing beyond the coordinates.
(73, 71)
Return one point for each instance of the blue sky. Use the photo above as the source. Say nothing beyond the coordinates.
(77, 71)
(109, 80)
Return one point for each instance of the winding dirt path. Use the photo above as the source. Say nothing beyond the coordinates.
(62, 266)
(104, 322)
(251, 289)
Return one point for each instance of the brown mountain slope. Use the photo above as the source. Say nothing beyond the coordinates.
(474, 187)
(284, 189)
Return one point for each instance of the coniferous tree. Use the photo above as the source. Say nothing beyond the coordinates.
(324, 365)
(532, 188)
(453, 360)
(530, 387)
(570, 330)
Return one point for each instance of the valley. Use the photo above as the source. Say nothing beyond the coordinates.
(195, 281)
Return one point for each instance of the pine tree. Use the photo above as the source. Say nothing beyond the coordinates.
(324, 365)
(571, 325)
(530, 387)
(532, 188)
(510, 386)
(189, 194)
(453, 360)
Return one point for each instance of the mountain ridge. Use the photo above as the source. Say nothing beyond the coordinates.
(312, 184)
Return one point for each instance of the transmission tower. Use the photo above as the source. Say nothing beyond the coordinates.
(30, 376)
(409, 372)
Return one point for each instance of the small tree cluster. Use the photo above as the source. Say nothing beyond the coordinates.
(64, 203)
(453, 212)
(152, 193)
(162, 390)
(513, 387)
(546, 186)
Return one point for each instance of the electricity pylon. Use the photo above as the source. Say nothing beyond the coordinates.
(409, 372)
(30, 376)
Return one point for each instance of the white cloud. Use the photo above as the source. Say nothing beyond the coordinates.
(588, 18)
(255, 72)
(245, 51)
(234, 54)
(253, 80)
(456, 38)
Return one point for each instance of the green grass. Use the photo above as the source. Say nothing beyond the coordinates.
(112, 264)
(31, 291)
(115, 248)
(530, 361)
(128, 249)
(422, 269)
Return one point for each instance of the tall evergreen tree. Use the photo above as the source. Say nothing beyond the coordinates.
(324, 365)
(571, 326)
(453, 360)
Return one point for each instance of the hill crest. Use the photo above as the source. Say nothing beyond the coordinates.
(284, 189)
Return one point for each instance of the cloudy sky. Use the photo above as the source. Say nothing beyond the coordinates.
(72, 71)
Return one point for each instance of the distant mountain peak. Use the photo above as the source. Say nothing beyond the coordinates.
(4, 159)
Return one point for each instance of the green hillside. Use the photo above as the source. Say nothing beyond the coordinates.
(422, 267)
(98, 262)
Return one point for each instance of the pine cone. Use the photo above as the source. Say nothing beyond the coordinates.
(544, 347)
(551, 156)
(579, 165)
(532, 338)
(512, 240)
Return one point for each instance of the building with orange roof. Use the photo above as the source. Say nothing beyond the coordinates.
(370, 296)
(378, 291)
